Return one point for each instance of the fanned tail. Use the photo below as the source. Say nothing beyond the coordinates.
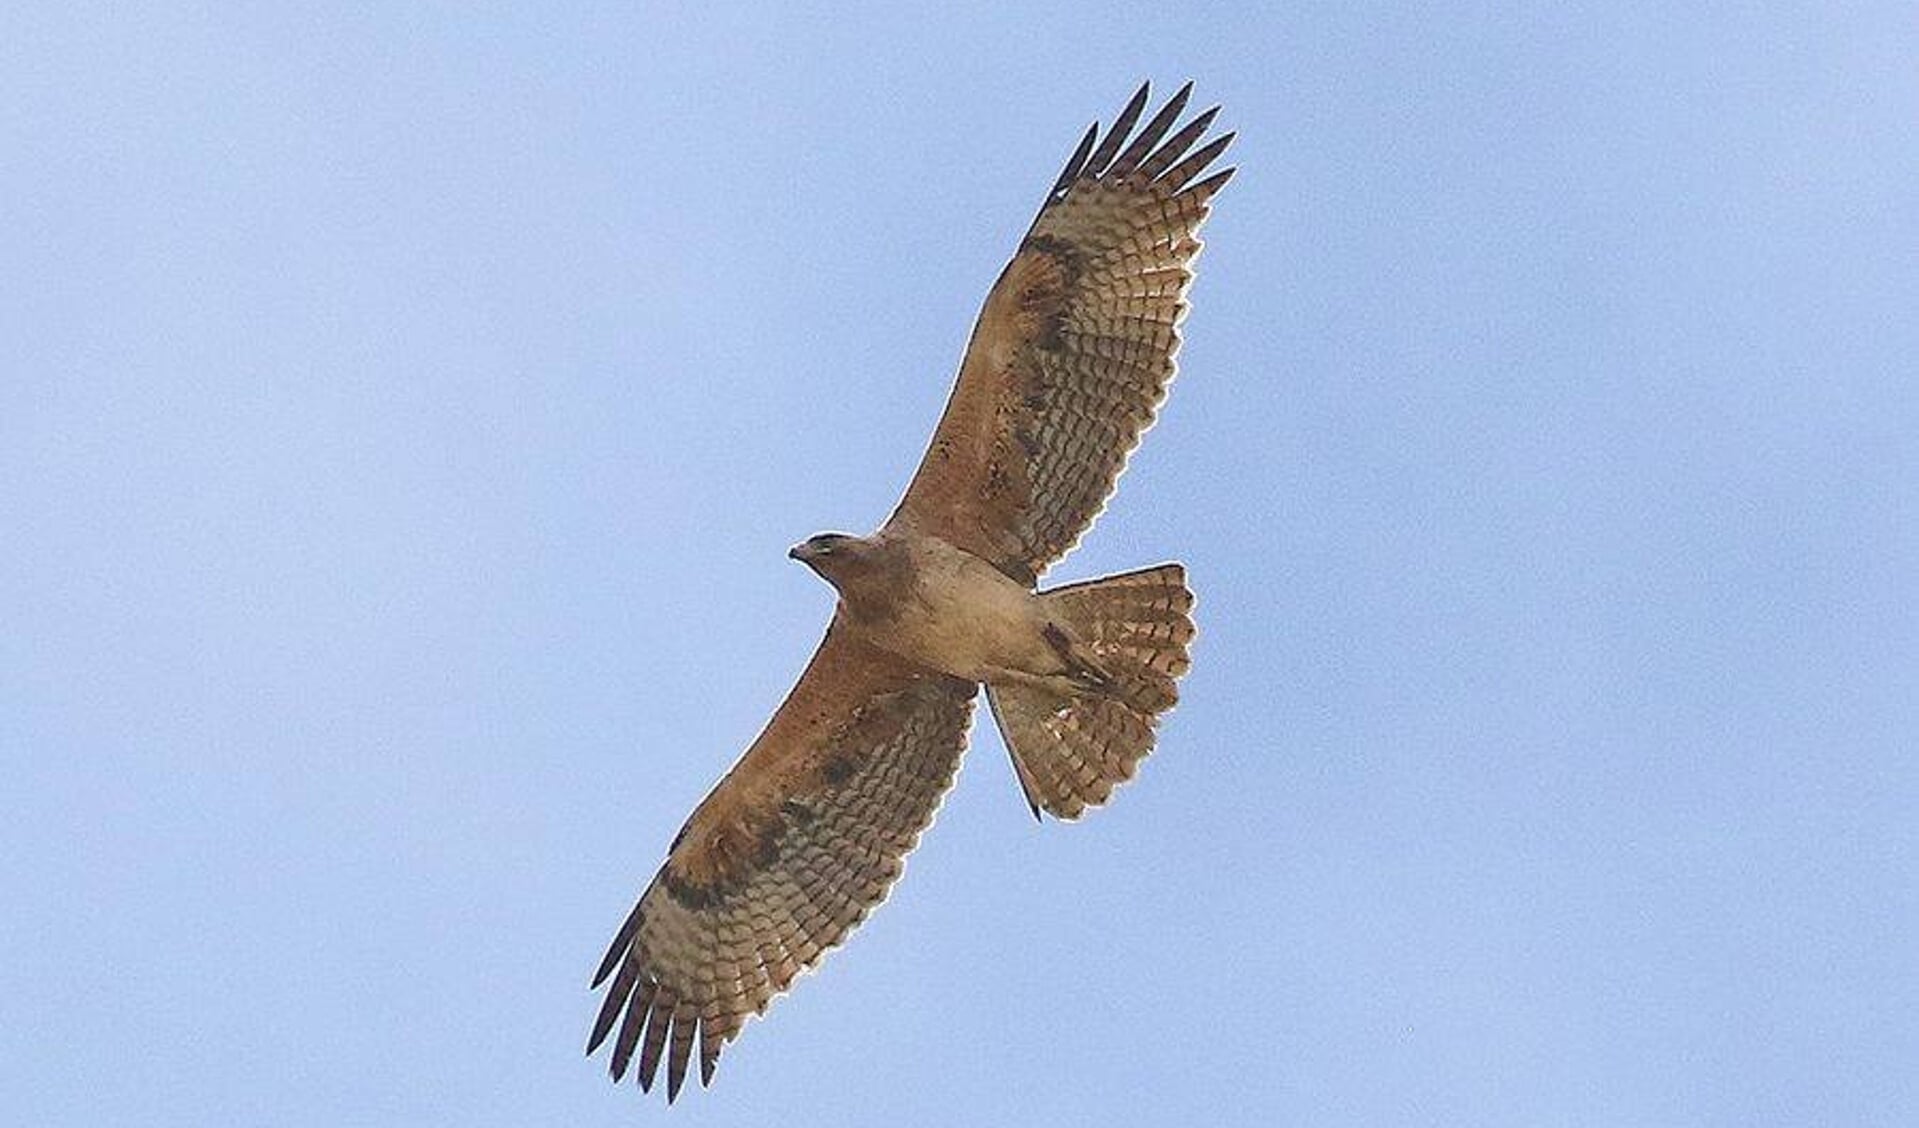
(1072, 749)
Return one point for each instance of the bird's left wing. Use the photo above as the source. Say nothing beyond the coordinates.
(801, 839)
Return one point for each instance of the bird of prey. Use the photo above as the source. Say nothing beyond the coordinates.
(1069, 361)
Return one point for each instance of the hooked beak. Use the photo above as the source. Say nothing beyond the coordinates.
(798, 552)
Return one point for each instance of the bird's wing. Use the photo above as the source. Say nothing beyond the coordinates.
(800, 840)
(1074, 348)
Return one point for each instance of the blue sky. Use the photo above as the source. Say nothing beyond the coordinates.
(405, 413)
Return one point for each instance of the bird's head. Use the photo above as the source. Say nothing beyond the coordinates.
(832, 555)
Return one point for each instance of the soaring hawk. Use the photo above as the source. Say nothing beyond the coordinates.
(1069, 361)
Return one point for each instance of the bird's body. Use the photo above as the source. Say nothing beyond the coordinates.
(941, 607)
(1070, 358)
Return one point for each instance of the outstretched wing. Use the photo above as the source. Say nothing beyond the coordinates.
(1074, 348)
(800, 840)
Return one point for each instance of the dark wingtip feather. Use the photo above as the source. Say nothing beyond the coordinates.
(1150, 155)
(1184, 95)
(602, 1026)
(1075, 163)
(598, 1036)
(1207, 188)
(658, 1018)
(1122, 125)
(1192, 166)
(1150, 136)
(682, 1051)
(712, 1039)
(622, 940)
(610, 1009)
(630, 1028)
(1176, 146)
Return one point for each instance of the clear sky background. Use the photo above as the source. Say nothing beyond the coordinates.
(404, 416)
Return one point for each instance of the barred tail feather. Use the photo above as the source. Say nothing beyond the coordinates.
(1071, 750)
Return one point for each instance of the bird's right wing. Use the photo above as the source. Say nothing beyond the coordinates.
(1074, 348)
(801, 839)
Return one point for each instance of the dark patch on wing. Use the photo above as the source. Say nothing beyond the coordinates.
(1058, 249)
(1057, 639)
(1046, 297)
(692, 894)
(744, 851)
(838, 768)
